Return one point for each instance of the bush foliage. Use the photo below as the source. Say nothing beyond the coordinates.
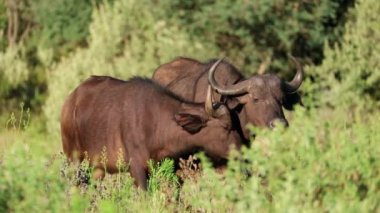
(326, 161)
(350, 73)
(250, 33)
(119, 46)
(62, 23)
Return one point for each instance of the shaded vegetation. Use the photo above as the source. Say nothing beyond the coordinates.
(255, 35)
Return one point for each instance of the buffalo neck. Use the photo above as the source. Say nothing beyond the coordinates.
(176, 141)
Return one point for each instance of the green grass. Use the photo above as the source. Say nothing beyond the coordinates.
(328, 160)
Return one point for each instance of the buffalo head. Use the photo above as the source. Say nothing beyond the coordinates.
(262, 96)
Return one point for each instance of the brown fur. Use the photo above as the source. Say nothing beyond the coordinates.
(142, 121)
(261, 106)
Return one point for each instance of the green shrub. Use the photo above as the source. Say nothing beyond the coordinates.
(35, 177)
(25, 181)
(151, 33)
(325, 161)
(321, 163)
(20, 81)
(13, 66)
(350, 72)
(14, 72)
(62, 24)
(125, 40)
(252, 32)
(161, 173)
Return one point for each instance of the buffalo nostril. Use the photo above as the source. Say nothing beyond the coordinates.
(273, 123)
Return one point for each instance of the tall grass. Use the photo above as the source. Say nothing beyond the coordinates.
(326, 161)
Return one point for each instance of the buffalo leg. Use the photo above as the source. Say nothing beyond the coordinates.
(139, 174)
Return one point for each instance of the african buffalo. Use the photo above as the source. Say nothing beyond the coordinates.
(257, 100)
(143, 121)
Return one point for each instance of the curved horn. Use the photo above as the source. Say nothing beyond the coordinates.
(236, 89)
(291, 87)
(208, 103)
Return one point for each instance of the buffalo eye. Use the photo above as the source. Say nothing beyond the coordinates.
(255, 100)
(216, 105)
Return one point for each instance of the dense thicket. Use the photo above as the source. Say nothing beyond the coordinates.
(38, 34)
(252, 32)
(350, 72)
(325, 161)
(34, 34)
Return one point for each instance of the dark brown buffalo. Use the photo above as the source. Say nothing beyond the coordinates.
(257, 100)
(140, 120)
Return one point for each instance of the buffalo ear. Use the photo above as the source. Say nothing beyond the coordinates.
(244, 98)
(234, 102)
(290, 100)
(190, 122)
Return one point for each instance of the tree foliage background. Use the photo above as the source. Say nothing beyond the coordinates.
(36, 36)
